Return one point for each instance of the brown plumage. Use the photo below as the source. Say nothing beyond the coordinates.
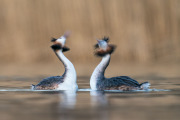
(101, 52)
(123, 88)
(47, 88)
(49, 83)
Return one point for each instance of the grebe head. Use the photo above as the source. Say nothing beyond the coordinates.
(102, 44)
(60, 42)
(102, 47)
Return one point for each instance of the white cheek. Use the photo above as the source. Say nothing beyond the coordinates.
(62, 41)
(104, 47)
(59, 40)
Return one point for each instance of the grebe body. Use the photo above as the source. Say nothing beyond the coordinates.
(99, 82)
(68, 80)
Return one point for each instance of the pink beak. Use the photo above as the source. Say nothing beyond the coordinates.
(67, 34)
(98, 40)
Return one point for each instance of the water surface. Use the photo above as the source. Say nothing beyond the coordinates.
(18, 102)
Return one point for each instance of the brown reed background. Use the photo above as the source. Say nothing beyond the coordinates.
(145, 31)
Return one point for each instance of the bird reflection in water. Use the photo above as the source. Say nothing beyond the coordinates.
(99, 101)
(98, 98)
(68, 99)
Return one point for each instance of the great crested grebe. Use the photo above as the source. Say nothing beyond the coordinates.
(68, 80)
(99, 82)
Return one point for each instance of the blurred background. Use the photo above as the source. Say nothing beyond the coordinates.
(147, 36)
(146, 32)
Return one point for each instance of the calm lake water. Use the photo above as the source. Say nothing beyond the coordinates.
(18, 102)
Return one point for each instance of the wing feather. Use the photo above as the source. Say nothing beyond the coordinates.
(50, 82)
(117, 82)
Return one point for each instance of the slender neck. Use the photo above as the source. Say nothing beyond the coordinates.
(69, 67)
(100, 69)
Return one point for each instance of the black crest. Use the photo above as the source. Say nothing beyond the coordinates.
(53, 39)
(65, 49)
(56, 47)
(106, 39)
(96, 46)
